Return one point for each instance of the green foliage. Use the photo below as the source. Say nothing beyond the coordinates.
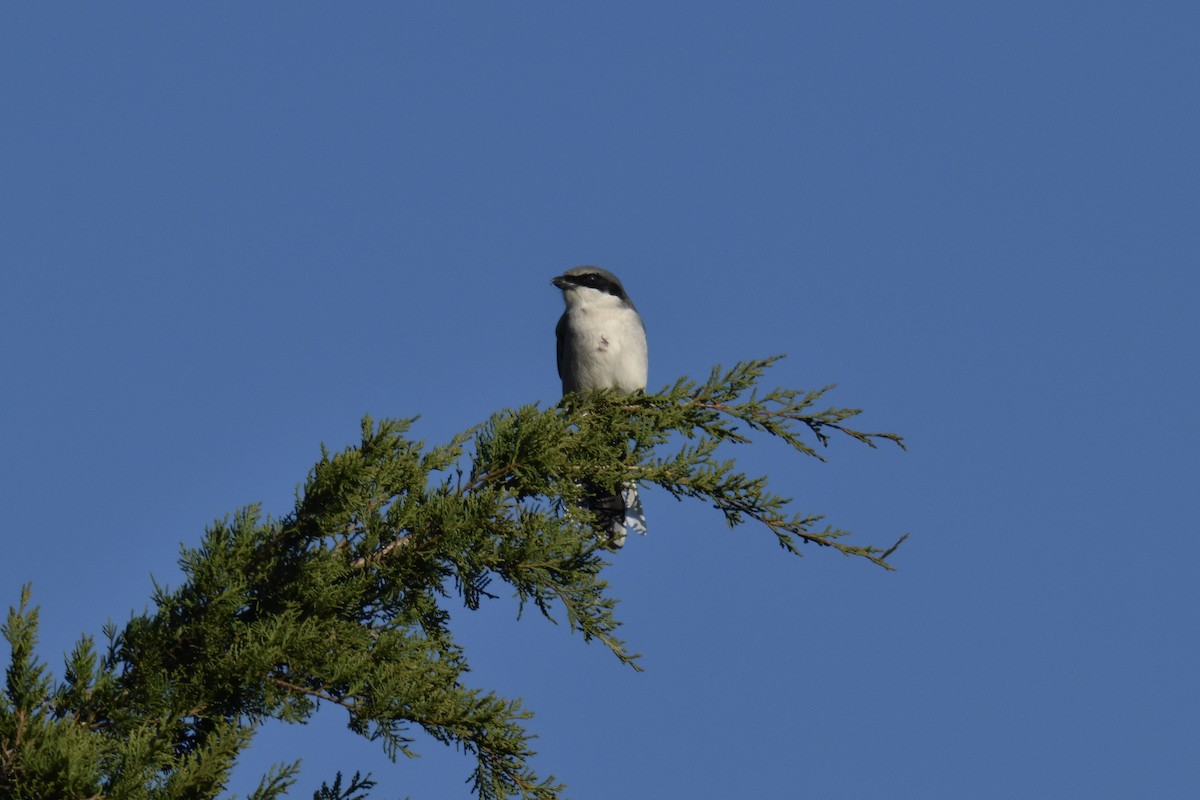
(354, 791)
(345, 600)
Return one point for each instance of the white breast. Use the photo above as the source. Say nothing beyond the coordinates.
(607, 347)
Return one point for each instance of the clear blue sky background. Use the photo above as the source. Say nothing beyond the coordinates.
(227, 230)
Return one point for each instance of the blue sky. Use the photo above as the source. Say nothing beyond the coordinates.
(229, 230)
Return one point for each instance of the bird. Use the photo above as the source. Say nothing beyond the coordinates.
(602, 345)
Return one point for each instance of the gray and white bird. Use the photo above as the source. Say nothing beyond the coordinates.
(602, 345)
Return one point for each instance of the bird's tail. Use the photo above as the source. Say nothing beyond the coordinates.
(635, 517)
(619, 512)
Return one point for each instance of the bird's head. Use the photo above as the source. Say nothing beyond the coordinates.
(585, 286)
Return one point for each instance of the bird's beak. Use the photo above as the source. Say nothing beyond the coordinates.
(561, 282)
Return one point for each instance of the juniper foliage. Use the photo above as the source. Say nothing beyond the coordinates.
(345, 600)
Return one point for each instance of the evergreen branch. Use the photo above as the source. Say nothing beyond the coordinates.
(276, 782)
(316, 694)
(382, 552)
(343, 600)
(355, 791)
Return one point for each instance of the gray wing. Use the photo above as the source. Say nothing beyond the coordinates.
(561, 333)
